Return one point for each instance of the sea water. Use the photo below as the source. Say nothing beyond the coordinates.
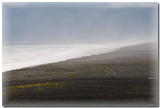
(20, 56)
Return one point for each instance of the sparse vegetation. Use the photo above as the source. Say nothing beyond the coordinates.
(109, 80)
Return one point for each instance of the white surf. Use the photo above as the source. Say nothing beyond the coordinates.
(20, 56)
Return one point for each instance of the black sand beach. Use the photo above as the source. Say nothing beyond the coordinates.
(124, 77)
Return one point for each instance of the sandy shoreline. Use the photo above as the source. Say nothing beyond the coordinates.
(25, 56)
(122, 80)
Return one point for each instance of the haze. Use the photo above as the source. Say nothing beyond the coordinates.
(79, 23)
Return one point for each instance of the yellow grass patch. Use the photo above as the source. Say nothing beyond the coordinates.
(35, 85)
(39, 85)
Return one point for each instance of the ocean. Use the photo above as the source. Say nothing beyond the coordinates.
(21, 56)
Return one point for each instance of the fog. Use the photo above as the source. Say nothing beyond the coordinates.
(79, 29)
(21, 56)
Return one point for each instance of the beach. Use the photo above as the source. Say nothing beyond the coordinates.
(119, 78)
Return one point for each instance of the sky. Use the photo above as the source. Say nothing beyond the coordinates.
(79, 23)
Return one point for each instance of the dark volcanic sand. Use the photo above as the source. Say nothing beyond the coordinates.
(119, 78)
(92, 92)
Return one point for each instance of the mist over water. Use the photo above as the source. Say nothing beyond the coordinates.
(64, 23)
(20, 56)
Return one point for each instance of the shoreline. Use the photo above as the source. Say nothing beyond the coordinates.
(56, 56)
(30, 64)
(121, 75)
(102, 46)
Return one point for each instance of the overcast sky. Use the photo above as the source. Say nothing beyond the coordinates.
(79, 23)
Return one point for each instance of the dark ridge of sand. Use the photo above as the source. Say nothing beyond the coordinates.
(118, 78)
(141, 51)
